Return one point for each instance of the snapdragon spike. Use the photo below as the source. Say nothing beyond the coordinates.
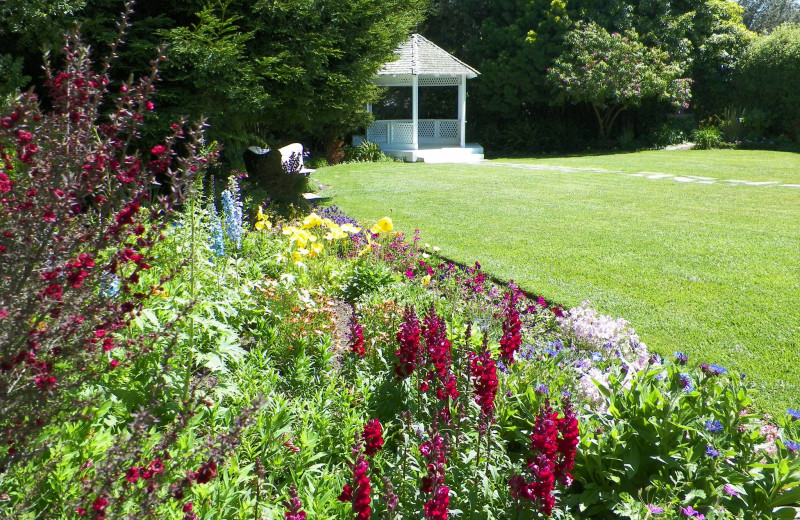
(408, 339)
(439, 356)
(484, 378)
(435, 452)
(356, 337)
(512, 325)
(373, 437)
(553, 444)
(359, 493)
(294, 507)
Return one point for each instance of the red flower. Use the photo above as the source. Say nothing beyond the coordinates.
(150, 106)
(484, 378)
(158, 149)
(206, 472)
(49, 216)
(373, 437)
(437, 507)
(512, 338)
(100, 504)
(356, 336)
(359, 493)
(113, 364)
(439, 355)
(157, 466)
(294, 507)
(408, 338)
(133, 474)
(24, 136)
(5, 183)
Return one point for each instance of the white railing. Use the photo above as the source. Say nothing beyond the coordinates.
(396, 132)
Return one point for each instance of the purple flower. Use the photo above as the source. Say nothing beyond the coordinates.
(792, 446)
(656, 510)
(713, 426)
(686, 382)
(730, 490)
(681, 358)
(717, 370)
(794, 413)
(712, 452)
(542, 389)
(690, 512)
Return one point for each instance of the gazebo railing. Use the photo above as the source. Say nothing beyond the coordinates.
(399, 132)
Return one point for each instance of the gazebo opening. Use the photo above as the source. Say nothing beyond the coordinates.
(422, 114)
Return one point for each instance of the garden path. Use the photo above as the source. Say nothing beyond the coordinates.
(646, 175)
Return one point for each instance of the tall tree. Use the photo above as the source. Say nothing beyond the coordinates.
(765, 15)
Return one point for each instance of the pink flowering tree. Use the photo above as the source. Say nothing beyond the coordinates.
(613, 72)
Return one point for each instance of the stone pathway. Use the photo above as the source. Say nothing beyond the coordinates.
(647, 175)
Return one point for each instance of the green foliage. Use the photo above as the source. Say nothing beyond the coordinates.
(364, 277)
(366, 151)
(765, 81)
(707, 137)
(657, 441)
(11, 78)
(613, 72)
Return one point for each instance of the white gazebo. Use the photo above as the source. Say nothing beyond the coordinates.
(421, 63)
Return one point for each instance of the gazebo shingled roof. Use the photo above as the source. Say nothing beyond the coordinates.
(419, 56)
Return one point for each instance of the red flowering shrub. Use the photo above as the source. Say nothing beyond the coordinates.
(294, 507)
(77, 228)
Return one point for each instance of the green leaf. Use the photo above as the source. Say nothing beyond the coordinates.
(786, 498)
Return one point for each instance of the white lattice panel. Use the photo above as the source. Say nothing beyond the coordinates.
(448, 129)
(378, 132)
(427, 128)
(402, 133)
(443, 81)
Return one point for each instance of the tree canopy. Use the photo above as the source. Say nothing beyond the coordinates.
(613, 72)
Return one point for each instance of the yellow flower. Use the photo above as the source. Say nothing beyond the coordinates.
(350, 228)
(315, 250)
(426, 280)
(312, 220)
(335, 233)
(384, 225)
(262, 222)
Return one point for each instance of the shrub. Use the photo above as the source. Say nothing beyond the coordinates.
(707, 138)
(366, 151)
(766, 80)
(78, 229)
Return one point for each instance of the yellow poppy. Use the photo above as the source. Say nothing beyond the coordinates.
(426, 280)
(350, 228)
(312, 220)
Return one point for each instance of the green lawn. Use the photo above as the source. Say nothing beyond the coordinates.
(710, 269)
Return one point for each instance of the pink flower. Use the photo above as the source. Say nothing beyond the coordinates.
(158, 149)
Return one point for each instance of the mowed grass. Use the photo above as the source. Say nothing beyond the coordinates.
(710, 269)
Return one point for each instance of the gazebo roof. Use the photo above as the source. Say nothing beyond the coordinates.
(418, 56)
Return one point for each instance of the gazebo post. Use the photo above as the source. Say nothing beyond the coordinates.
(462, 109)
(415, 112)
